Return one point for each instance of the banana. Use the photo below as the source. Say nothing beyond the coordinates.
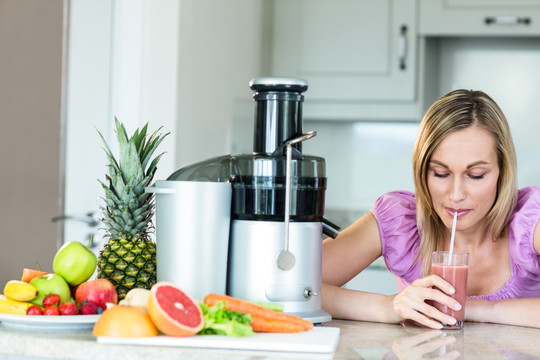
(20, 290)
(10, 306)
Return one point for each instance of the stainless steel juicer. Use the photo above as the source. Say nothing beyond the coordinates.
(277, 224)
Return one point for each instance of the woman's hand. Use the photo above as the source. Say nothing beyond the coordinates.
(413, 302)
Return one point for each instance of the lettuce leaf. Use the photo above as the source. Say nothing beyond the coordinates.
(219, 320)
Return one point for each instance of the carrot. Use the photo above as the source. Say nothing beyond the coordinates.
(256, 311)
(260, 324)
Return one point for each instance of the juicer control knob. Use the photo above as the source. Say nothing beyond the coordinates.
(308, 293)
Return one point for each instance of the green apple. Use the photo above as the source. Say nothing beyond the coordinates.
(50, 284)
(74, 262)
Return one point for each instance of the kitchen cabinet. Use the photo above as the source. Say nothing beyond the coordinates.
(359, 57)
(479, 18)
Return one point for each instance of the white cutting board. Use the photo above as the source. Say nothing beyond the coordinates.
(317, 340)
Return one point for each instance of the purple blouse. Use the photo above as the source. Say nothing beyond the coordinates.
(396, 215)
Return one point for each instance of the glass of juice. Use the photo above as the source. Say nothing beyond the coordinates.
(453, 268)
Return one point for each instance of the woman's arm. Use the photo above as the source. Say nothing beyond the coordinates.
(354, 249)
(521, 312)
(358, 305)
(351, 252)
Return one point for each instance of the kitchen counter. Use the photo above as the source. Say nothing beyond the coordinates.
(358, 340)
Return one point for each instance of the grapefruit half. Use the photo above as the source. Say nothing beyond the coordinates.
(29, 274)
(173, 311)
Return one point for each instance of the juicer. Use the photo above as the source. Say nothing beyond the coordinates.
(277, 207)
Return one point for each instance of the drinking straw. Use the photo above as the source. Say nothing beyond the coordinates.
(452, 237)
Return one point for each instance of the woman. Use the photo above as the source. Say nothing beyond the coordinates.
(463, 161)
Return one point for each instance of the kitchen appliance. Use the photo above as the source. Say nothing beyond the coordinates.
(275, 240)
(192, 221)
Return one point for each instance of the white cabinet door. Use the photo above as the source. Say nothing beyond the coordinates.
(479, 17)
(359, 50)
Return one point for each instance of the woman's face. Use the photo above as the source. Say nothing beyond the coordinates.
(462, 177)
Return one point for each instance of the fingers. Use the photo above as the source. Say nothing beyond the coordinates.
(435, 281)
(416, 309)
(415, 302)
(438, 283)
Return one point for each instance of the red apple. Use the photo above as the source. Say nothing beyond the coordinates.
(99, 291)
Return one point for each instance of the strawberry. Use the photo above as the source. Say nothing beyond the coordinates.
(51, 310)
(52, 299)
(68, 308)
(34, 310)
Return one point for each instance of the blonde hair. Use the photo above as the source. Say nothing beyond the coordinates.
(454, 111)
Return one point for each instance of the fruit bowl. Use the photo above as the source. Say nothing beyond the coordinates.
(41, 322)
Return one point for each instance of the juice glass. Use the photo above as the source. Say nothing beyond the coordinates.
(453, 268)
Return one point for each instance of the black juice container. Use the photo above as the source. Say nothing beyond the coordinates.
(259, 181)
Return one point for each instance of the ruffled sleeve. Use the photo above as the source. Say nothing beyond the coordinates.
(396, 216)
(525, 260)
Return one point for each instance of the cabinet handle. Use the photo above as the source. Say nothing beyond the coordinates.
(402, 47)
(507, 20)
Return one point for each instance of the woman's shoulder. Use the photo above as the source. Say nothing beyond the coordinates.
(528, 198)
(395, 210)
(396, 217)
(527, 211)
(398, 201)
(524, 219)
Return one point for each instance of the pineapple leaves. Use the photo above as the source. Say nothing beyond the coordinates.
(129, 209)
(150, 147)
(109, 153)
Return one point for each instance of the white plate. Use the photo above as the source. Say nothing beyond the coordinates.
(318, 340)
(43, 322)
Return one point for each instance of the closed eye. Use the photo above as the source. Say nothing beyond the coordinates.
(477, 177)
(439, 175)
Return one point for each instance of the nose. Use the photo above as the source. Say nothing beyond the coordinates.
(457, 190)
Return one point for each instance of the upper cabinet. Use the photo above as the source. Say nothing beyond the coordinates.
(378, 59)
(358, 56)
(479, 17)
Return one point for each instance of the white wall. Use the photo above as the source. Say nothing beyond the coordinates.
(221, 47)
(508, 70)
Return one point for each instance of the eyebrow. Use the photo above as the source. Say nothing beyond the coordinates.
(476, 163)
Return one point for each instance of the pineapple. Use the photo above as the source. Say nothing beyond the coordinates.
(128, 259)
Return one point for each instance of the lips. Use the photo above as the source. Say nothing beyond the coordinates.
(460, 212)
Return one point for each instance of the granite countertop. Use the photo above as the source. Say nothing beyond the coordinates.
(358, 340)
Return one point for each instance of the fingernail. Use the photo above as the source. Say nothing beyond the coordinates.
(457, 306)
(451, 290)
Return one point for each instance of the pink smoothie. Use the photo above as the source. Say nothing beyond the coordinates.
(457, 276)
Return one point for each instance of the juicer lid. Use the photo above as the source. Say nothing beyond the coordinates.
(278, 84)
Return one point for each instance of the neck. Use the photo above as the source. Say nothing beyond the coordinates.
(470, 239)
